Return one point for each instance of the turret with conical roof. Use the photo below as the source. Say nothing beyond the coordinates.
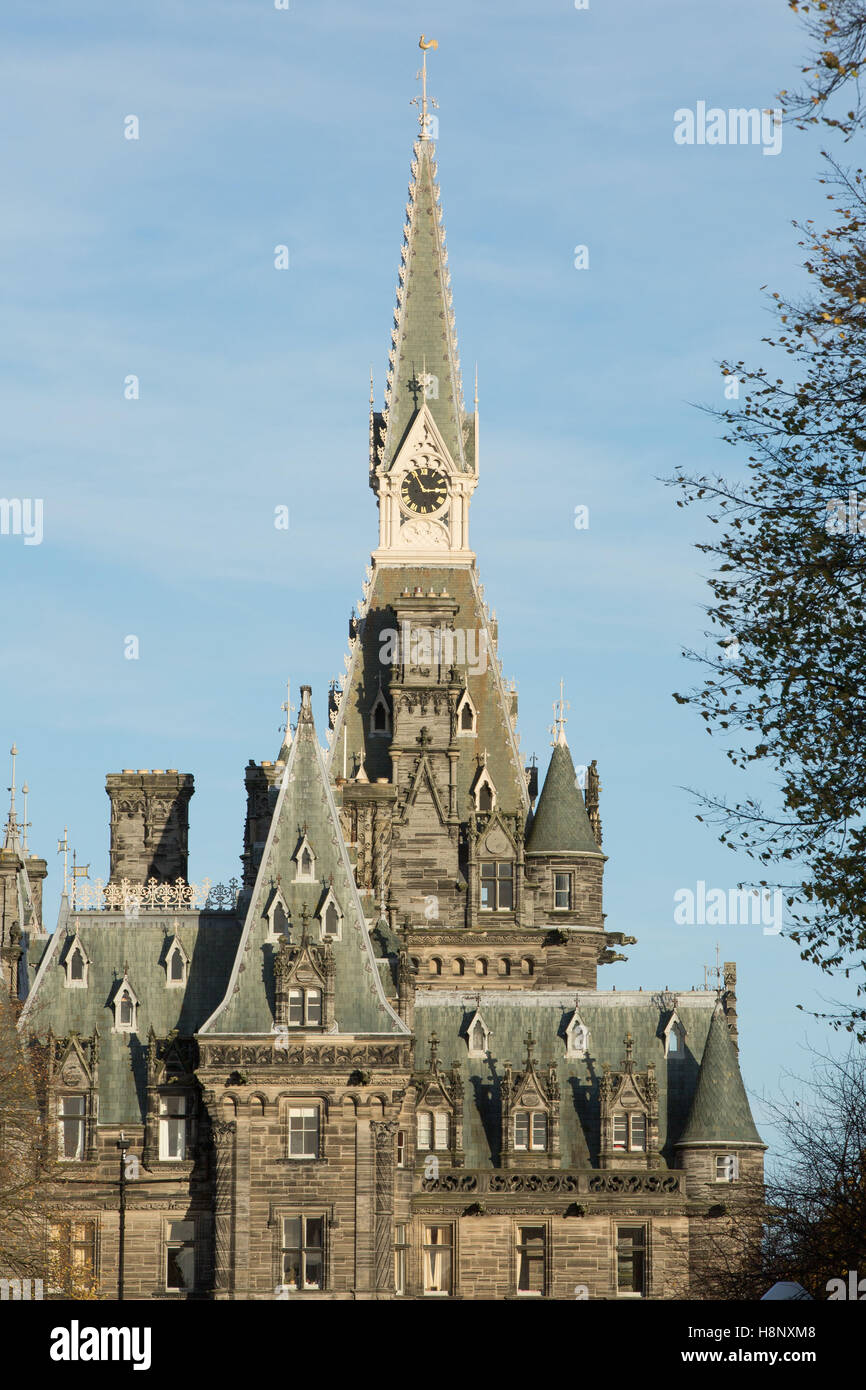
(720, 1143)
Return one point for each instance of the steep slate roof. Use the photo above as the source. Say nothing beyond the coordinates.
(608, 1016)
(560, 821)
(424, 339)
(720, 1113)
(305, 806)
(483, 680)
(111, 943)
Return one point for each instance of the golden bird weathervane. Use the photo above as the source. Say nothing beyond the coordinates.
(424, 118)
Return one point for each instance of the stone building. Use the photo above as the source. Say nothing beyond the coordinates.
(380, 1065)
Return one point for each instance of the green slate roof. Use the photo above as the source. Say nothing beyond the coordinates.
(424, 337)
(305, 808)
(560, 823)
(720, 1111)
(110, 944)
(608, 1015)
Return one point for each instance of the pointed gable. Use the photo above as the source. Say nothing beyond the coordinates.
(305, 799)
(720, 1114)
(560, 824)
(423, 362)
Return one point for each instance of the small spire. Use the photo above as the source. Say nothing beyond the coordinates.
(288, 708)
(63, 848)
(11, 840)
(421, 102)
(559, 718)
(529, 1040)
(434, 1050)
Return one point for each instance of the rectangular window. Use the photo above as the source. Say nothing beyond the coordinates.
(304, 1132)
(562, 892)
(620, 1132)
(539, 1130)
(521, 1129)
(303, 1253)
(180, 1255)
(631, 1259)
(401, 1148)
(530, 1259)
(440, 1133)
(401, 1255)
(497, 887)
(727, 1168)
(437, 1259)
(73, 1254)
(638, 1133)
(314, 1007)
(71, 1126)
(425, 1129)
(172, 1126)
(296, 1008)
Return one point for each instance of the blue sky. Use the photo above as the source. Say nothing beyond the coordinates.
(155, 257)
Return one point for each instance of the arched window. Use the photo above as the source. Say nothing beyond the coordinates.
(76, 965)
(481, 966)
(504, 966)
(435, 965)
(457, 966)
(527, 965)
(485, 797)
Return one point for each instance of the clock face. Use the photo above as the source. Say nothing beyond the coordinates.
(424, 490)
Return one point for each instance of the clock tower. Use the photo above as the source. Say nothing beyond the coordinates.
(424, 444)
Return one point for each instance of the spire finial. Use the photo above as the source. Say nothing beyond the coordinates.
(476, 387)
(63, 848)
(12, 818)
(424, 118)
(287, 707)
(559, 718)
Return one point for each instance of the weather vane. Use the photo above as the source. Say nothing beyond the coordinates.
(424, 118)
(557, 728)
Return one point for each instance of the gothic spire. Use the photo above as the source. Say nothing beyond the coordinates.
(424, 367)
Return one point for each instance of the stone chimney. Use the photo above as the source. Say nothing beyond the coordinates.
(149, 824)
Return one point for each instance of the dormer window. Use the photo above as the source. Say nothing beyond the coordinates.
(75, 965)
(331, 918)
(485, 792)
(497, 886)
(433, 1130)
(305, 1008)
(278, 916)
(380, 715)
(125, 1006)
(478, 1035)
(629, 1132)
(305, 860)
(176, 964)
(576, 1037)
(530, 1129)
(467, 718)
(674, 1038)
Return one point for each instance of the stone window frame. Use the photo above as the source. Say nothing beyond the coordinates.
(278, 901)
(629, 1116)
(286, 1210)
(464, 703)
(305, 992)
(577, 1037)
(64, 1094)
(298, 858)
(476, 1021)
(287, 1104)
(330, 900)
(166, 1093)
(431, 1222)
(437, 1114)
(74, 946)
(567, 874)
(176, 948)
(533, 1112)
(117, 1025)
(380, 703)
(527, 1222)
(732, 1161)
(169, 1242)
(628, 1224)
(496, 878)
